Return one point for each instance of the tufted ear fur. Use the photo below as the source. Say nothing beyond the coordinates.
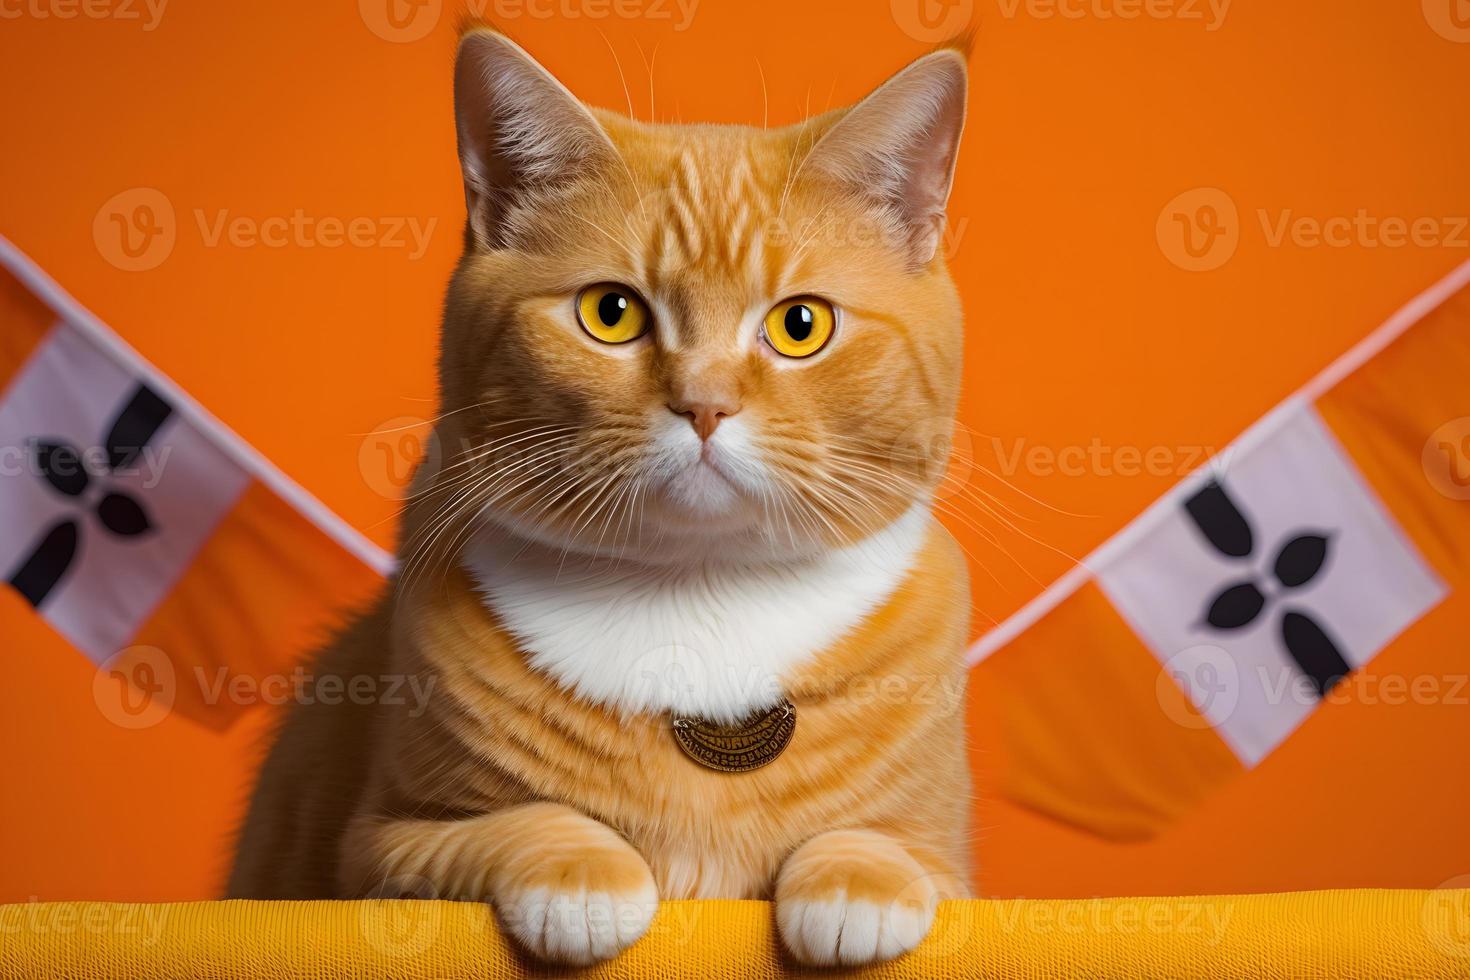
(522, 135)
(897, 149)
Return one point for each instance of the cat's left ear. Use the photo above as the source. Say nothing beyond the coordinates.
(897, 148)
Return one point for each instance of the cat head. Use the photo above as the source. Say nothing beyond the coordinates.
(696, 341)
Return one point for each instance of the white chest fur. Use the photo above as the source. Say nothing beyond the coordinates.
(712, 642)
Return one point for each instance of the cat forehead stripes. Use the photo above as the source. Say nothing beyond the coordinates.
(706, 209)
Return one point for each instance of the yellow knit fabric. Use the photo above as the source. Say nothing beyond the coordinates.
(1410, 934)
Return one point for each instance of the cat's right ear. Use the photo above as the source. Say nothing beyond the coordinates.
(522, 135)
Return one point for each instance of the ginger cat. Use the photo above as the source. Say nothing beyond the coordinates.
(694, 376)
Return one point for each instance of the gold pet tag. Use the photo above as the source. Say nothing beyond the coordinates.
(741, 747)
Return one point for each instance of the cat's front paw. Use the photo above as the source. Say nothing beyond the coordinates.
(575, 923)
(850, 897)
(579, 894)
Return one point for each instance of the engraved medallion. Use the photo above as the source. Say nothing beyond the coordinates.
(740, 747)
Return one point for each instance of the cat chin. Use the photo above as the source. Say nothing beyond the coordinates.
(703, 492)
(668, 535)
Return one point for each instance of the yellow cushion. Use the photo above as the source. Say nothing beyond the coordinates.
(1418, 934)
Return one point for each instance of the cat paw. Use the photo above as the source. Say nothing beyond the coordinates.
(575, 924)
(578, 899)
(851, 897)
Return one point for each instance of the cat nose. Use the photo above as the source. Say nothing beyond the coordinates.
(704, 416)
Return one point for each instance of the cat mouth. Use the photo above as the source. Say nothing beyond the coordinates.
(703, 482)
(711, 459)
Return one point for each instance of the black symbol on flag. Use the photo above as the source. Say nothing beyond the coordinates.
(60, 465)
(1240, 603)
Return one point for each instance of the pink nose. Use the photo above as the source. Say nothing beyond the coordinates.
(704, 416)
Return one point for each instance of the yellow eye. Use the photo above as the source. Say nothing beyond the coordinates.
(611, 313)
(801, 326)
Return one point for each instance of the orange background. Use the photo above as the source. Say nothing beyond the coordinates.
(1082, 331)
